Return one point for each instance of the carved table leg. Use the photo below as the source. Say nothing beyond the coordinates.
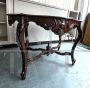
(48, 48)
(59, 41)
(76, 42)
(21, 39)
(27, 40)
(26, 37)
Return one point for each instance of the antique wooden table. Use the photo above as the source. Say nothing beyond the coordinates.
(58, 25)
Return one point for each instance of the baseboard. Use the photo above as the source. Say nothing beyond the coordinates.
(32, 43)
(45, 42)
(8, 46)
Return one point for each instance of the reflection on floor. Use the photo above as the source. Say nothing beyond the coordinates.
(50, 71)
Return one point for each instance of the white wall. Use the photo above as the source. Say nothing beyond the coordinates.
(89, 7)
(65, 4)
(37, 33)
(10, 29)
(10, 6)
(21, 6)
(84, 11)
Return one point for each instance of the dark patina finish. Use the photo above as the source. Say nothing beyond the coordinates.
(58, 25)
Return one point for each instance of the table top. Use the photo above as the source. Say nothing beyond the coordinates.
(44, 16)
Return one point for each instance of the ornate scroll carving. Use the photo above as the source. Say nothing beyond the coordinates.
(57, 25)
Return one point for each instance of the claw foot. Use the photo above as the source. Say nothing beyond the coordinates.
(23, 76)
(73, 62)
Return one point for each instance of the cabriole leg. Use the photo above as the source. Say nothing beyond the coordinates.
(21, 40)
(75, 44)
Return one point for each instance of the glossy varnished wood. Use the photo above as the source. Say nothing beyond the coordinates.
(58, 25)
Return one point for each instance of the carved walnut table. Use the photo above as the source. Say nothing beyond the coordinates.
(58, 25)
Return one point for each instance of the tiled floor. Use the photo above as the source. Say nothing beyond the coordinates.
(51, 71)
